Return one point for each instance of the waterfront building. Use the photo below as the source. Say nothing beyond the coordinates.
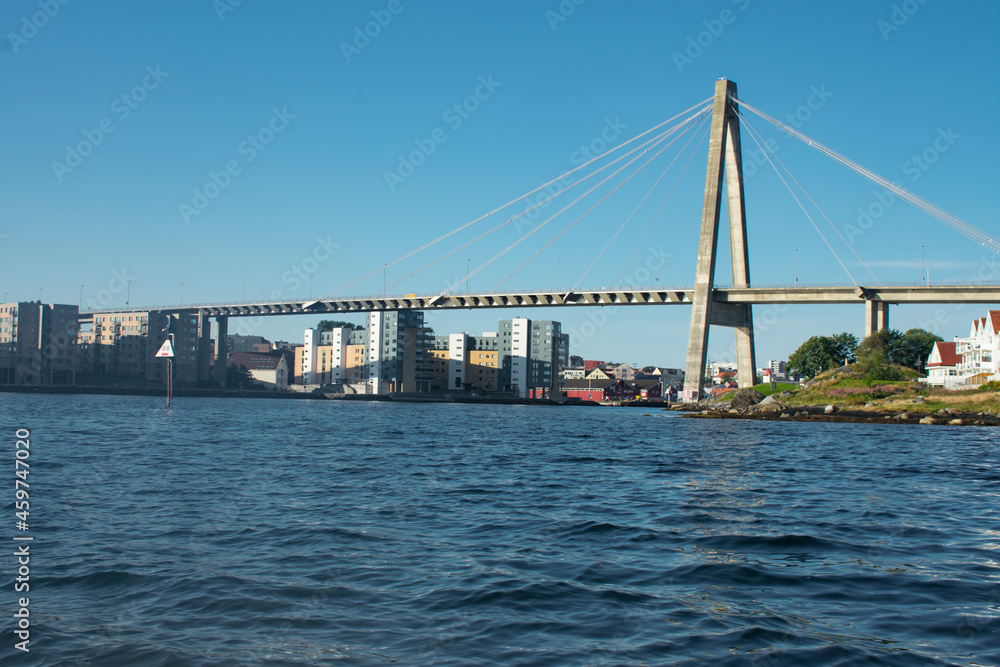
(600, 373)
(269, 370)
(531, 354)
(600, 390)
(239, 343)
(464, 362)
(322, 358)
(397, 350)
(623, 372)
(967, 362)
(38, 343)
(354, 364)
(651, 390)
(396, 353)
(124, 345)
(438, 364)
(482, 371)
(306, 356)
(672, 377)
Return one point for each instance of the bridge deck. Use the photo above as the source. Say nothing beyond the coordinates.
(642, 296)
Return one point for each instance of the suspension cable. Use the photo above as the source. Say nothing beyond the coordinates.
(551, 218)
(952, 221)
(654, 140)
(656, 217)
(785, 183)
(808, 196)
(642, 201)
(517, 199)
(598, 203)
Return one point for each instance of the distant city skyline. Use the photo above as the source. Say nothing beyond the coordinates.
(292, 150)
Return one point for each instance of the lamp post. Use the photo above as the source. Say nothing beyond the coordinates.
(244, 290)
(128, 294)
(558, 268)
(921, 263)
(81, 297)
(796, 266)
(182, 294)
(385, 270)
(467, 275)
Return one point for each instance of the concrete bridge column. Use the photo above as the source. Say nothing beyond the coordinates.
(876, 316)
(724, 166)
(204, 343)
(221, 348)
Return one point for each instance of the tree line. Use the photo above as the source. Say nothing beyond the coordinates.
(877, 353)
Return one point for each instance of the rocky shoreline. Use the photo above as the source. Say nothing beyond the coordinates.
(748, 404)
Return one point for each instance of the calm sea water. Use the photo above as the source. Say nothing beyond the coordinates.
(230, 532)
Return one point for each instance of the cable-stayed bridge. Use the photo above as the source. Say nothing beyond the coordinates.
(729, 306)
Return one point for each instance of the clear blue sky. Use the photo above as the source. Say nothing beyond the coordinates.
(200, 77)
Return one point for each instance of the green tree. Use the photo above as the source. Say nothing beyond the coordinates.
(913, 347)
(330, 325)
(874, 356)
(821, 353)
(845, 345)
(238, 377)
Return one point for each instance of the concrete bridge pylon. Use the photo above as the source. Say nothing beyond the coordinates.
(724, 162)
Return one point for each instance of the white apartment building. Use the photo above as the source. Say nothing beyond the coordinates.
(967, 362)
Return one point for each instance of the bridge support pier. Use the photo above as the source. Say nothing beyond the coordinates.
(204, 351)
(876, 316)
(221, 349)
(724, 161)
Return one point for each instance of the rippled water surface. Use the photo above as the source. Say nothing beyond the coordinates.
(224, 532)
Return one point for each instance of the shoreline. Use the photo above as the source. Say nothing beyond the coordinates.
(818, 413)
(286, 395)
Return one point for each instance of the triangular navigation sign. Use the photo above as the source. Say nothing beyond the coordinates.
(166, 350)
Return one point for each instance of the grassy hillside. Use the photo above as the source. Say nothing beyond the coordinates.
(842, 388)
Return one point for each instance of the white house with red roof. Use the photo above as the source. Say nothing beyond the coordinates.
(968, 362)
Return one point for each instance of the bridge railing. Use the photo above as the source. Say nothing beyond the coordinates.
(548, 290)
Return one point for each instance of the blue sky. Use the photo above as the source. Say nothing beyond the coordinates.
(295, 120)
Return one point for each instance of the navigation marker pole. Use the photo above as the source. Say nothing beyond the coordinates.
(167, 350)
